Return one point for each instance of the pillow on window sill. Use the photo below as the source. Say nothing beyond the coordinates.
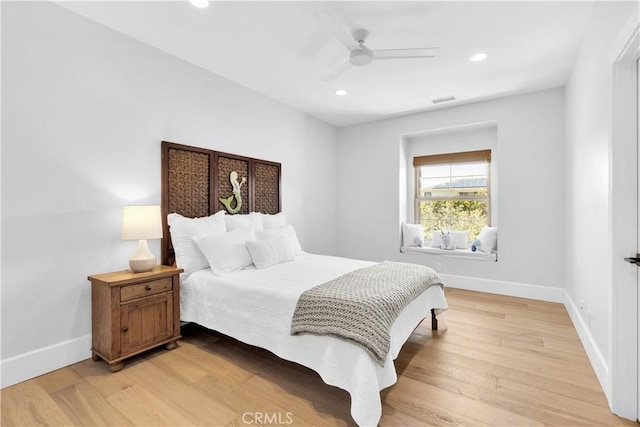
(488, 239)
(412, 234)
(460, 239)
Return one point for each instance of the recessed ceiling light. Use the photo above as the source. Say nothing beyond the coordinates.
(478, 57)
(199, 3)
(341, 92)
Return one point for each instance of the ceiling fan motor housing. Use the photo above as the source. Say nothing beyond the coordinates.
(361, 56)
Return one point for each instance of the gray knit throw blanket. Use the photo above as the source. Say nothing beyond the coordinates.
(361, 306)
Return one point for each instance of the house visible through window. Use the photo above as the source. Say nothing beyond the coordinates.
(452, 192)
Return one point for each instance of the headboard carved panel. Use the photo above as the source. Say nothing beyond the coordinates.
(189, 182)
(267, 190)
(193, 180)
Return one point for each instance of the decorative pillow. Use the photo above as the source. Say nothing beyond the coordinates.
(266, 253)
(287, 232)
(488, 239)
(460, 239)
(251, 221)
(274, 221)
(412, 235)
(226, 252)
(183, 229)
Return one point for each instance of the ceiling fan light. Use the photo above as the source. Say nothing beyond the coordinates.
(360, 57)
(341, 92)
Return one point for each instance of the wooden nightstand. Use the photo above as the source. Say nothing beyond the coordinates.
(133, 312)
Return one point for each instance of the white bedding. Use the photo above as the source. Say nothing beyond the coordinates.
(256, 307)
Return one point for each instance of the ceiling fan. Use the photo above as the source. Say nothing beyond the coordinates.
(359, 54)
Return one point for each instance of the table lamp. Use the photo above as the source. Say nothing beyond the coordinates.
(141, 223)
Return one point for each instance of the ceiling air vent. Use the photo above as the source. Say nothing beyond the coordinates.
(441, 100)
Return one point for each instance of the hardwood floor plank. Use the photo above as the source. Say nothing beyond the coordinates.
(592, 395)
(28, 404)
(525, 358)
(529, 365)
(198, 408)
(476, 310)
(456, 405)
(58, 380)
(560, 317)
(572, 407)
(85, 406)
(174, 363)
(307, 411)
(100, 376)
(143, 408)
(515, 324)
(205, 359)
(569, 346)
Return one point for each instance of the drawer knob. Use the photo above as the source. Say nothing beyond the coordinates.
(147, 288)
(125, 328)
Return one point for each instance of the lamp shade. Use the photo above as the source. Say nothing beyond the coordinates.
(141, 222)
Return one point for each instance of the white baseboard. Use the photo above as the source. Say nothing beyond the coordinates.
(38, 362)
(594, 354)
(512, 289)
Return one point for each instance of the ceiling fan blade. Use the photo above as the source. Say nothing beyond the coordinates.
(338, 72)
(333, 27)
(423, 52)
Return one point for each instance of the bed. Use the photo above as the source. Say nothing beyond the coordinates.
(256, 305)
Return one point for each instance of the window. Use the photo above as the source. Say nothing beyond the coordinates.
(452, 191)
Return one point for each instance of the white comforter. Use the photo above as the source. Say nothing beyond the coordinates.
(256, 307)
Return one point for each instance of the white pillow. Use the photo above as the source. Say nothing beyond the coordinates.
(226, 252)
(274, 221)
(266, 253)
(411, 233)
(436, 239)
(488, 239)
(251, 221)
(183, 229)
(287, 232)
(460, 239)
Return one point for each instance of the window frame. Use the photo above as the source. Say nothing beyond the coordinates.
(451, 159)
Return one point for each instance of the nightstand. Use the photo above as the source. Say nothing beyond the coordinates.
(134, 312)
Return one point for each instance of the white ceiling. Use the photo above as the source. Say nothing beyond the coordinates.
(280, 49)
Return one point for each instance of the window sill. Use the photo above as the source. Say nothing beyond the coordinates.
(454, 253)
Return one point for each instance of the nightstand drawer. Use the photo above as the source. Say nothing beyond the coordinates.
(127, 293)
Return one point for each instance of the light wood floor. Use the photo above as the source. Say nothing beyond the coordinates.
(497, 361)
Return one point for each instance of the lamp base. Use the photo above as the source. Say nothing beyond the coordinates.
(142, 265)
(143, 259)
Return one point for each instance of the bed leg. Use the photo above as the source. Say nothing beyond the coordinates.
(434, 320)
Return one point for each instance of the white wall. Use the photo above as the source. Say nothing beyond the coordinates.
(590, 165)
(530, 199)
(84, 111)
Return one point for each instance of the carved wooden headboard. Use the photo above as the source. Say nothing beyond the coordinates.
(193, 180)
